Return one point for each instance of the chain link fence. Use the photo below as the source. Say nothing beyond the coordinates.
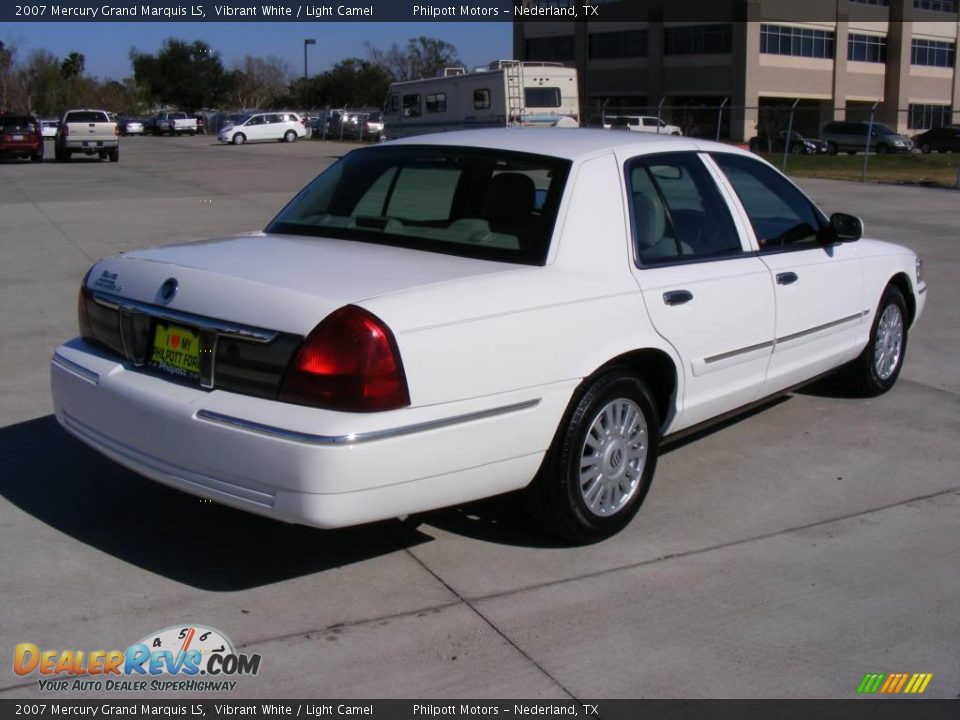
(921, 142)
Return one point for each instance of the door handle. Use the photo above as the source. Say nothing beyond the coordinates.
(787, 278)
(677, 297)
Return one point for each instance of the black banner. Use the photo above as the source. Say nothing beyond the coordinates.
(864, 709)
(326, 11)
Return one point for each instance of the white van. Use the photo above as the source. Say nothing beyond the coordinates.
(275, 126)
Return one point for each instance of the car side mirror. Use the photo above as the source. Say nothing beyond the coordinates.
(846, 228)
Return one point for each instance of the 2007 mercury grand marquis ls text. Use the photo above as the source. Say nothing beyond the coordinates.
(454, 316)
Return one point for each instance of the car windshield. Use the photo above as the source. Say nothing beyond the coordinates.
(481, 203)
(883, 130)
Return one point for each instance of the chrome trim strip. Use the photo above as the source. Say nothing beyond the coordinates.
(825, 326)
(76, 369)
(357, 438)
(922, 290)
(247, 332)
(741, 351)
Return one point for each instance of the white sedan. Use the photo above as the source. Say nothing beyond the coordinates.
(454, 316)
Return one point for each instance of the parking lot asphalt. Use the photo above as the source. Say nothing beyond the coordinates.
(783, 554)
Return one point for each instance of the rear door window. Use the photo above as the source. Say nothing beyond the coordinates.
(87, 116)
(542, 97)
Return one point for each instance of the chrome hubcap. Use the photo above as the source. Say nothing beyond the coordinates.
(613, 456)
(889, 342)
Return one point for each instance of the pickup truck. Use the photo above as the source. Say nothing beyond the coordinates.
(174, 123)
(90, 132)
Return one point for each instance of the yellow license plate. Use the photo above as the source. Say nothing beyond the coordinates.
(176, 350)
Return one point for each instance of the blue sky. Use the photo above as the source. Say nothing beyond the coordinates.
(106, 45)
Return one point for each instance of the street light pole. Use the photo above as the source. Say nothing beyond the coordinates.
(308, 41)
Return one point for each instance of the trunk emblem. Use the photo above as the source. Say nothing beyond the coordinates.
(168, 290)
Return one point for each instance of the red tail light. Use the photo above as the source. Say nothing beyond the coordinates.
(348, 362)
(66, 129)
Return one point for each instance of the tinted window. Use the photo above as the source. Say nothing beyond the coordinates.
(542, 97)
(411, 105)
(677, 211)
(463, 201)
(780, 214)
(16, 124)
(481, 99)
(87, 116)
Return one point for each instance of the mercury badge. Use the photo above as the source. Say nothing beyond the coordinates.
(167, 291)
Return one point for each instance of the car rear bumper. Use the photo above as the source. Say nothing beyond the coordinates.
(297, 464)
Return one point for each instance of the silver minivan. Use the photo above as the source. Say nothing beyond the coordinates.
(851, 137)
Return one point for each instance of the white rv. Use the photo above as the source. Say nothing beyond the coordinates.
(508, 93)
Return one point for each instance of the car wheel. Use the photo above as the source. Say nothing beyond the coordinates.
(289, 136)
(37, 156)
(114, 155)
(925, 148)
(597, 472)
(877, 368)
(102, 154)
(61, 155)
(883, 149)
(832, 148)
(675, 134)
(239, 139)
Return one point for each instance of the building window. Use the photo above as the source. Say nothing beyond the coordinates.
(932, 52)
(550, 49)
(698, 39)
(481, 99)
(436, 102)
(625, 44)
(801, 42)
(949, 6)
(924, 117)
(885, 3)
(867, 48)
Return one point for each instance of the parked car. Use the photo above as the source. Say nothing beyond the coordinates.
(851, 137)
(87, 131)
(275, 126)
(174, 123)
(21, 136)
(131, 126)
(49, 128)
(941, 139)
(641, 123)
(799, 145)
(422, 326)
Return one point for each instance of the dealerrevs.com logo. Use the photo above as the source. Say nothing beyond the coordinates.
(181, 658)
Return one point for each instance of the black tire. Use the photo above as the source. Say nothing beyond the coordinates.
(289, 136)
(832, 148)
(557, 495)
(102, 154)
(61, 155)
(925, 148)
(883, 148)
(238, 139)
(37, 157)
(114, 155)
(798, 149)
(870, 375)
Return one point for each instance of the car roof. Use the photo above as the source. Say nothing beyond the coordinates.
(568, 143)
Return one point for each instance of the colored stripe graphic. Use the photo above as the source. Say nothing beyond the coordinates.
(894, 683)
(871, 682)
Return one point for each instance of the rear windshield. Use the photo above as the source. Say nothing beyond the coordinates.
(542, 97)
(13, 124)
(88, 116)
(177, 116)
(488, 204)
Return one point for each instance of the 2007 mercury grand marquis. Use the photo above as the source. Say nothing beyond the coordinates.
(450, 317)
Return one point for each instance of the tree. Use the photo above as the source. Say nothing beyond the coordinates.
(258, 81)
(423, 57)
(41, 83)
(188, 75)
(7, 56)
(352, 83)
